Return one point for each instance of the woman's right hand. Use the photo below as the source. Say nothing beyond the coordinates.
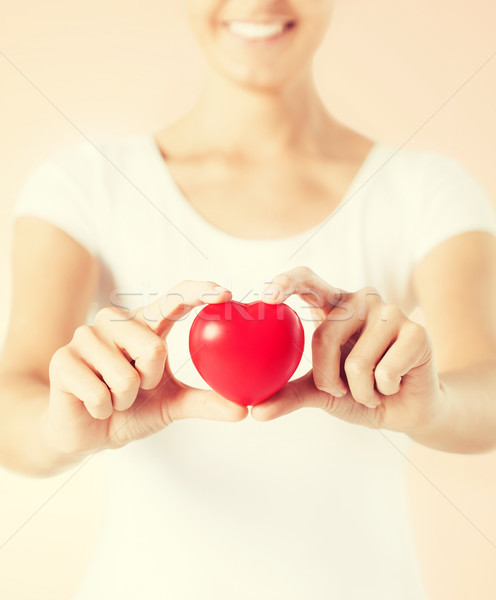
(112, 384)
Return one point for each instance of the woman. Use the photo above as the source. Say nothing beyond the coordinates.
(257, 184)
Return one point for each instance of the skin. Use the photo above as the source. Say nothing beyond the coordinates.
(376, 367)
(260, 132)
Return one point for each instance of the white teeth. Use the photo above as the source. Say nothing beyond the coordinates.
(255, 31)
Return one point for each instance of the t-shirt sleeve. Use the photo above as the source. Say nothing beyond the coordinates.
(55, 194)
(452, 202)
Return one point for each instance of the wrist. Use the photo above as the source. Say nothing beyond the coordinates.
(434, 427)
(47, 457)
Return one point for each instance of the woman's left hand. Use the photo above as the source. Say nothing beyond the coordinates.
(371, 364)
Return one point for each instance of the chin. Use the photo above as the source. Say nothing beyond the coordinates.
(257, 81)
(261, 75)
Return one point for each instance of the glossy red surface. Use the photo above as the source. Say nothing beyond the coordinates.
(246, 352)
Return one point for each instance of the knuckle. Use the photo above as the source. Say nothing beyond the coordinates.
(417, 331)
(156, 351)
(98, 397)
(283, 280)
(386, 374)
(60, 355)
(368, 297)
(355, 365)
(303, 271)
(59, 361)
(320, 337)
(363, 301)
(107, 314)
(392, 312)
(128, 382)
(369, 292)
(83, 334)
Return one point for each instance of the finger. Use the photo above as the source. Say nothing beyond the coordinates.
(362, 360)
(308, 285)
(341, 328)
(327, 342)
(191, 403)
(137, 342)
(120, 377)
(409, 351)
(162, 314)
(77, 380)
(418, 316)
(298, 393)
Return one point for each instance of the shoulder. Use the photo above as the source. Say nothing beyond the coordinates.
(431, 171)
(441, 198)
(92, 157)
(425, 166)
(423, 179)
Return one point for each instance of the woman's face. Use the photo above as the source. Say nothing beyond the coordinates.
(260, 43)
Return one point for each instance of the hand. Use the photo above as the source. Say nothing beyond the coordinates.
(372, 365)
(112, 383)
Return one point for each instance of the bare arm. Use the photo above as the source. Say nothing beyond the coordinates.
(68, 389)
(456, 286)
(374, 366)
(54, 280)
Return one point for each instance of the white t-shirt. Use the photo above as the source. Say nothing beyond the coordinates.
(305, 506)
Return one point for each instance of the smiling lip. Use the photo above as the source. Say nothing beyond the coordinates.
(259, 31)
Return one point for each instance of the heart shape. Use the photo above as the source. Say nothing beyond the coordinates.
(246, 352)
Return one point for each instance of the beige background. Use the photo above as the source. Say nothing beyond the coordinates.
(388, 68)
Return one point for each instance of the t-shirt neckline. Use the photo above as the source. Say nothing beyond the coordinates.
(208, 229)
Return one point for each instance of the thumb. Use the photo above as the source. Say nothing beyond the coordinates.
(296, 394)
(193, 403)
(161, 315)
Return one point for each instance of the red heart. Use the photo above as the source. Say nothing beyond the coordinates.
(246, 352)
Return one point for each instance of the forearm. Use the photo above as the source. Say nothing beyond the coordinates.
(23, 404)
(466, 423)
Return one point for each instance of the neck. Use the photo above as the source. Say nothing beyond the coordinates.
(260, 124)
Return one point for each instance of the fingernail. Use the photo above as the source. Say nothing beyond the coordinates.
(219, 288)
(272, 291)
(339, 390)
(373, 404)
